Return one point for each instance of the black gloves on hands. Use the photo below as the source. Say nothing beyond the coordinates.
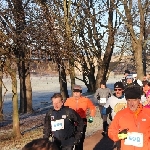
(77, 141)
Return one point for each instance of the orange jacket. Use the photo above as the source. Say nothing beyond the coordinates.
(125, 119)
(81, 105)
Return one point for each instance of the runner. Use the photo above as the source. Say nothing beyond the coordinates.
(116, 101)
(102, 95)
(131, 125)
(81, 104)
(124, 80)
(60, 123)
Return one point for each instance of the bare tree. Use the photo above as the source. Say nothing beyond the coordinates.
(11, 69)
(15, 27)
(134, 17)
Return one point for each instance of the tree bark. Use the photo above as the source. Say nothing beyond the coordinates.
(23, 99)
(20, 49)
(91, 78)
(16, 127)
(138, 60)
(15, 117)
(1, 99)
(28, 93)
(72, 73)
(63, 81)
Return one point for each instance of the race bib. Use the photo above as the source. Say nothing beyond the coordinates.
(102, 100)
(57, 125)
(134, 139)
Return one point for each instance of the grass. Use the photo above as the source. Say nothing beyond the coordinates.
(7, 142)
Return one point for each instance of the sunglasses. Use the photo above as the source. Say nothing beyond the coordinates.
(77, 90)
(117, 89)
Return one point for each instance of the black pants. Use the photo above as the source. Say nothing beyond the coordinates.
(68, 148)
(58, 143)
(80, 145)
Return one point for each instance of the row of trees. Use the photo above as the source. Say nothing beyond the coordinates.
(77, 30)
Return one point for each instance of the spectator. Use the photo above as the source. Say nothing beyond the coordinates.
(148, 77)
(148, 99)
(102, 95)
(144, 81)
(81, 104)
(40, 144)
(124, 80)
(131, 125)
(130, 81)
(60, 123)
(146, 87)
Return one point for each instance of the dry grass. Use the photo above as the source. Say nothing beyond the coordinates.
(31, 128)
(17, 144)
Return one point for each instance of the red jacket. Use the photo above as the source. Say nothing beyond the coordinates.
(125, 119)
(81, 105)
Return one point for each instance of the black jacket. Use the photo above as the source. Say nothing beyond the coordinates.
(71, 132)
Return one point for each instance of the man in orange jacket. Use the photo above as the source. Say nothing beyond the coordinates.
(131, 125)
(81, 104)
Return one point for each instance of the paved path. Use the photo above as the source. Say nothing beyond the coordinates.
(98, 142)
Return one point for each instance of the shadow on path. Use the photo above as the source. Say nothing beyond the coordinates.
(104, 144)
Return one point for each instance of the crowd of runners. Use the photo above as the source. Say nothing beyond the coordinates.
(125, 113)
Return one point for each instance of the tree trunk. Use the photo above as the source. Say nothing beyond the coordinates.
(91, 77)
(1, 100)
(137, 41)
(20, 49)
(16, 127)
(99, 76)
(104, 65)
(63, 81)
(28, 93)
(23, 99)
(72, 73)
(15, 117)
(138, 60)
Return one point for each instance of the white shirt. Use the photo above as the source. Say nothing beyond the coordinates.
(116, 104)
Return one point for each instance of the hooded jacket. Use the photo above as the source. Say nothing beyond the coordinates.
(125, 119)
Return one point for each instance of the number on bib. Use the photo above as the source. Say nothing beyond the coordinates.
(102, 100)
(57, 125)
(134, 139)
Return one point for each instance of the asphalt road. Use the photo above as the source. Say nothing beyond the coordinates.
(98, 142)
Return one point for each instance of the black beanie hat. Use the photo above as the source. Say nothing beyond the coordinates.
(118, 85)
(133, 92)
(127, 71)
(103, 82)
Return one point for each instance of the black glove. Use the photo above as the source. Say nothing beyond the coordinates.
(98, 97)
(118, 144)
(123, 131)
(77, 141)
(108, 110)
